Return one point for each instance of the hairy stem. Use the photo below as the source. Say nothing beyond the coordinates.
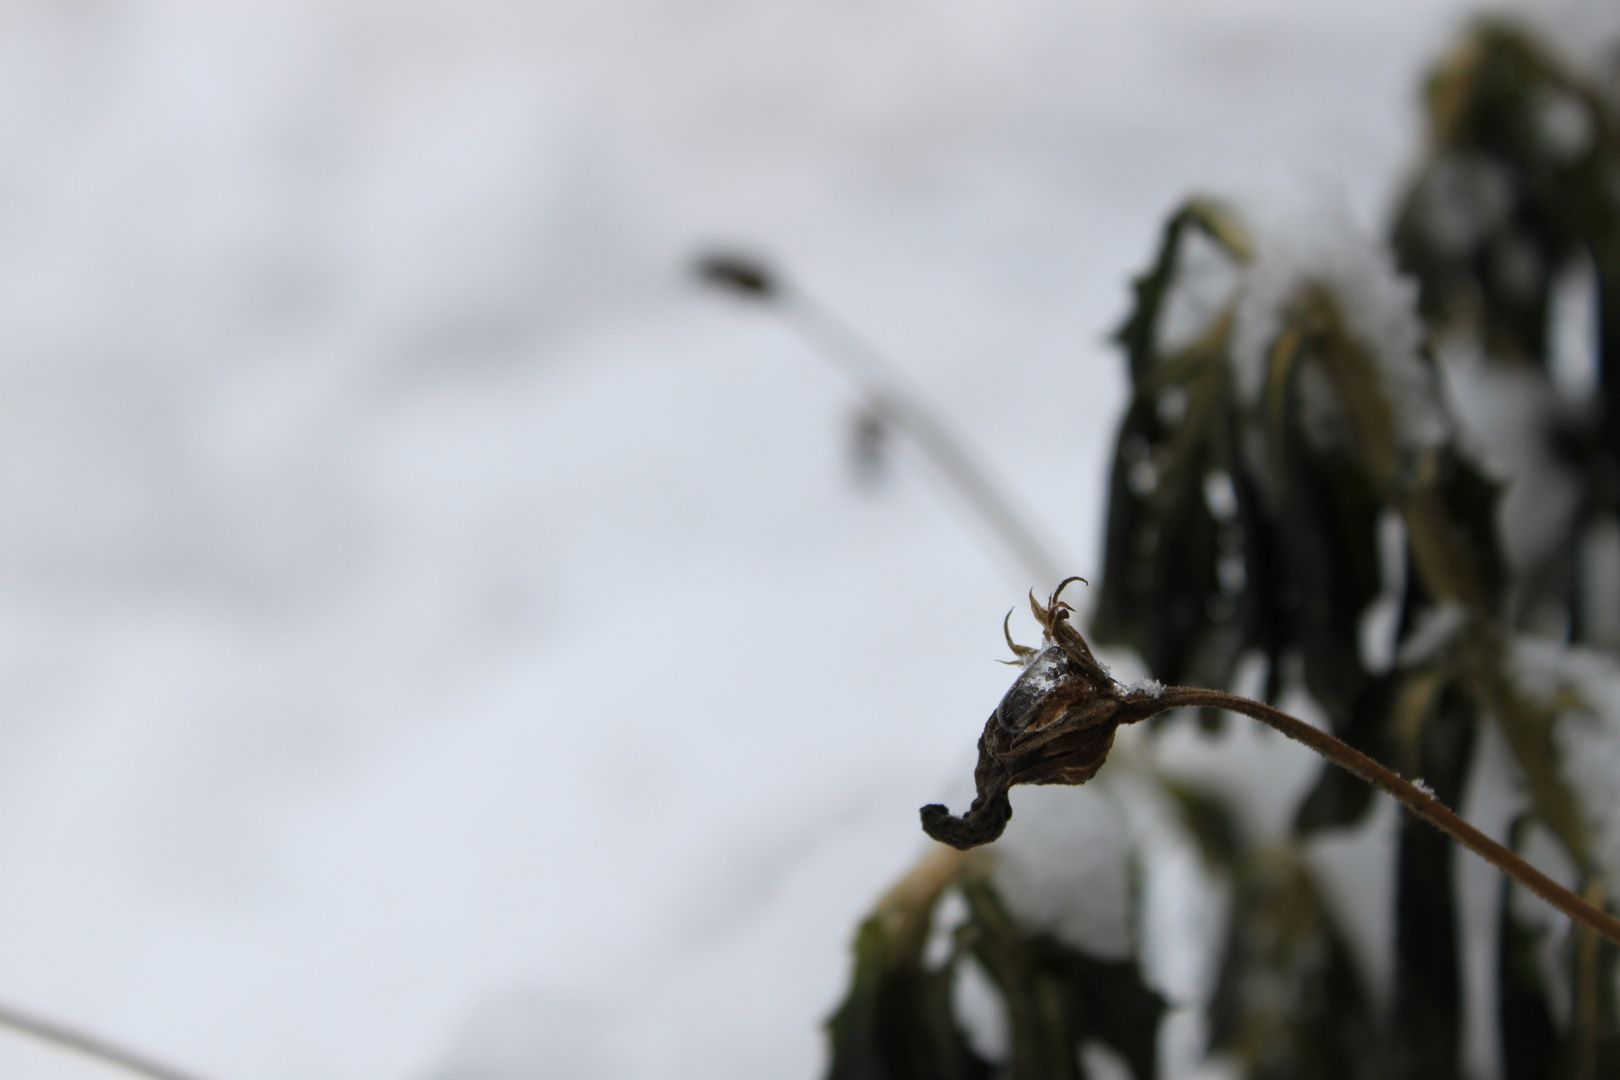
(88, 1043)
(1414, 798)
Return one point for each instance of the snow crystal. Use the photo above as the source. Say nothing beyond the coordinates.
(1423, 786)
(1040, 675)
(1146, 688)
(1047, 668)
(1587, 731)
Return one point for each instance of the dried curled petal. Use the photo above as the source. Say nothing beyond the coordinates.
(1055, 725)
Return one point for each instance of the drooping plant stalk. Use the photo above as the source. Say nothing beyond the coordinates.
(894, 401)
(90, 1044)
(1414, 798)
(1057, 722)
(889, 396)
(1295, 478)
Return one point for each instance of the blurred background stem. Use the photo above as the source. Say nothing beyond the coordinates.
(895, 402)
(89, 1044)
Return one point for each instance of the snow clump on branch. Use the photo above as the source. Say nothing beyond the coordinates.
(1584, 687)
(1320, 244)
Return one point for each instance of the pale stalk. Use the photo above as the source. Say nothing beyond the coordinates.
(889, 395)
(90, 1044)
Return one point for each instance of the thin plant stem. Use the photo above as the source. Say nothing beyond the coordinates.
(1412, 797)
(90, 1044)
(889, 395)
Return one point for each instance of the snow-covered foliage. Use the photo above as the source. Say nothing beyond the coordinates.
(1206, 279)
(1507, 417)
(1145, 686)
(1433, 565)
(1583, 687)
(1296, 243)
(1320, 243)
(394, 558)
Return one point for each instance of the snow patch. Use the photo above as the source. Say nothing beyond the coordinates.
(1320, 243)
(1147, 687)
(1063, 867)
(1204, 282)
(1506, 414)
(1565, 125)
(1435, 628)
(1585, 688)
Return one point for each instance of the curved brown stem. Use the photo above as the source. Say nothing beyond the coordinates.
(1414, 798)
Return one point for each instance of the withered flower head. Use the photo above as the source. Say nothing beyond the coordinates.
(1055, 725)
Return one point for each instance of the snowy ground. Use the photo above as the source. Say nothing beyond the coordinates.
(437, 635)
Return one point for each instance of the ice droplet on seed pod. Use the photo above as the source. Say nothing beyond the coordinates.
(1022, 700)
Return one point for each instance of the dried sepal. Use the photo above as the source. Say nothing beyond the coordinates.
(1023, 653)
(1055, 725)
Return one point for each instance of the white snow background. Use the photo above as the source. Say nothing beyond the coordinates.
(434, 634)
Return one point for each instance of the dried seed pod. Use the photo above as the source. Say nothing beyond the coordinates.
(1055, 725)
